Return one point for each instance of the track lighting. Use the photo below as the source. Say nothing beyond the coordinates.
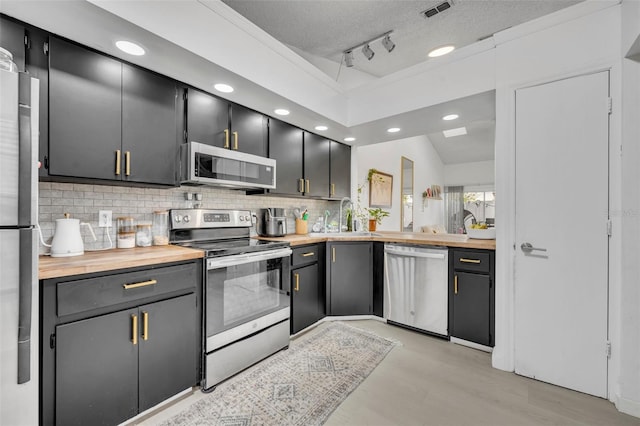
(367, 52)
(348, 59)
(388, 44)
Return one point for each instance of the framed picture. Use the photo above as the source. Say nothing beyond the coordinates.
(380, 187)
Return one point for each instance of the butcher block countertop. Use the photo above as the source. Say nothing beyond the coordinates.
(448, 240)
(109, 260)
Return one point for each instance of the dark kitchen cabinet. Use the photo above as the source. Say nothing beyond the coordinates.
(12, 39)
(472, 296)
(307, 289)
(286, 147)
(217, 122)
(108, 341)
(340, 170)
(109, 120)
(316, 165)
(350, 278)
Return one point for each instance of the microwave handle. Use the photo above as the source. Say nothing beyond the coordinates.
(241, 259)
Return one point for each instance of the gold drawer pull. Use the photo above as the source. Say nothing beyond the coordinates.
(463, 260)
(145, 325)
(333, 189)
(235, 140)
(333, 254)
(308, 254)
(140, 284)
(226, 138)
(297, 288)
(308, 186)
(117, 162)
(455, 284)
(127, 161)
(134, 329)
(301, 186)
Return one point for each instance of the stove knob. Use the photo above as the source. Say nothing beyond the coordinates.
(247, 218)
(186, 218)
(177, 218)
(241, 218)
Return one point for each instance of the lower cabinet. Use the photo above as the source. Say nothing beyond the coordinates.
(307, 287)
(110, 366)
(472, 296)
(349, 278)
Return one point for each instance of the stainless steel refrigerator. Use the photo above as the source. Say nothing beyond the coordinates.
(19, 375)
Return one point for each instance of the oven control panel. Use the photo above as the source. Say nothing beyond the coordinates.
(209, 218)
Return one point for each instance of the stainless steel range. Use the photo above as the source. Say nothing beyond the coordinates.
(246, 289)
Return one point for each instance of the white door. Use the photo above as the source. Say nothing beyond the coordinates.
(562, 207)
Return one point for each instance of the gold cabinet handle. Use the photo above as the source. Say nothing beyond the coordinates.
(301, 185)
(311, 253)
(145, 325)
(140, 284)
(463, 260)
(127, 162)
(134, 329)
(235, 140)
(297, 287)
(455, 284)
(333, 189)
(333, 254)
(117, 162)
(308, 186)
(226, 138)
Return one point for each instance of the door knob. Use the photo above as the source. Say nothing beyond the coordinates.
(528, 248)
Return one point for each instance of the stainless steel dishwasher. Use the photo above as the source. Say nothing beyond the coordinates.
(415, 287)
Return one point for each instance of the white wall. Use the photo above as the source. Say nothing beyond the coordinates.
(428, 170)
(476, 173)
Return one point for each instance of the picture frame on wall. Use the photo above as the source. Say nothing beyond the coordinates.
(380, 189)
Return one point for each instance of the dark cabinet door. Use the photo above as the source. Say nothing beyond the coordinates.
(285, 146)
(84, 112)
(149, 143)
(305, 297)
(168, 343)
(248, 131)
(316, 165)
(472, 307)
(350, 278)
(12, 39)
(207, 119)
(340, 170)
(97, 370)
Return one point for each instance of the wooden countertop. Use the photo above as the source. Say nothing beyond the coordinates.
(109, 260)
(448, 240)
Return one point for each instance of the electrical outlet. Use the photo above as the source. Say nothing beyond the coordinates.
(104, 219)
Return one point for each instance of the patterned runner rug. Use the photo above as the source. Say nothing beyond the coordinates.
(299, 386)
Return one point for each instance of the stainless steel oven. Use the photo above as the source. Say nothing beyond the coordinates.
(246, 290)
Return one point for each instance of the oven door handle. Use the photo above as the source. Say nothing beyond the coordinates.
(241, 259)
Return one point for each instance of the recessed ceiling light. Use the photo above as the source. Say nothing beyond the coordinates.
(393, 130)
(455, 132)
(281, 111)
(349, 139)
(224, 88)
(450, 117)
(130, 48)
(441, 51)
(321, 128)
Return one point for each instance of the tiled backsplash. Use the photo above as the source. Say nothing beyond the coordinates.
(84, 201)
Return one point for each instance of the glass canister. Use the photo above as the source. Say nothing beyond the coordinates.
(143, 234)
(126, 232)
(160, 229)
(6, 61)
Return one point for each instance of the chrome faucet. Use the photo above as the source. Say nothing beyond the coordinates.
(327, 213)
(341, 203)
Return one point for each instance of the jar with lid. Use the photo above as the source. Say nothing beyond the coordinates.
(160, 229)
(6, 61)
(126, 232)
(143, 234)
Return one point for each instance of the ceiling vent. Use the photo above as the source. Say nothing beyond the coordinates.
(435, 10)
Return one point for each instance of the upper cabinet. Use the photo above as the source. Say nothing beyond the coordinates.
(316, 165)
(109, 120)
(286, 147)
(12, 38)
(340, 170)
(217, 122)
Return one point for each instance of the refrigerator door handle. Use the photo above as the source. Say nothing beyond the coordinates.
(26, 208)
(24, 306)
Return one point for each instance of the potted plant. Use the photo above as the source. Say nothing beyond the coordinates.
(375, 217)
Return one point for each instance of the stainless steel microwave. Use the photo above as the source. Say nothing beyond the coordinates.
(209, 165)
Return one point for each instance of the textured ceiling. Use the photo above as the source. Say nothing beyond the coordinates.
(325, 28)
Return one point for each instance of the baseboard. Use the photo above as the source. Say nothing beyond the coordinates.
(353, 318)
(471, 344)
(628, 406)
(153, 410)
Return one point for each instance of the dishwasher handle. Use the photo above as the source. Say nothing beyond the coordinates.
(414, 253)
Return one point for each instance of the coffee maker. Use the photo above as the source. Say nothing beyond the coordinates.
(271, 222)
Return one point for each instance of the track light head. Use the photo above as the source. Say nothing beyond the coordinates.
(388, 44)
(367, 52)
(348, 58)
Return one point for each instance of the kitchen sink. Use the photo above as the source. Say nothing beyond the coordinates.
(344, 234)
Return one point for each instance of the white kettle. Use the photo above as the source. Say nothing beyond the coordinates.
(67, 240)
